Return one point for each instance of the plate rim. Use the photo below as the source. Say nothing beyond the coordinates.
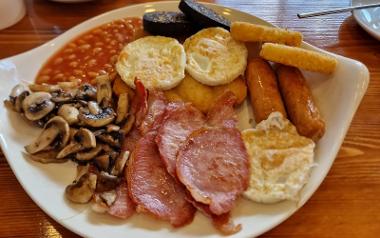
(363, 70)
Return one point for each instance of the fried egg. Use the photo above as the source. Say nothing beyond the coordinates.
(280, 160)
(213, 57)
(158, 62)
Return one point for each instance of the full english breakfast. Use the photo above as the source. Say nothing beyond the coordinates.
(149, 115)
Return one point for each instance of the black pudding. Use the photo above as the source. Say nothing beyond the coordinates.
(203, 15)
(168, 24)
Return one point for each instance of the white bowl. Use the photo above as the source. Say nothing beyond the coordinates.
(369, 18)
(338, 96)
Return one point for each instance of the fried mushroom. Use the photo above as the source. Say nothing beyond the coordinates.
(83, 139)
(56, 130)
(37, 105)
(81, 191)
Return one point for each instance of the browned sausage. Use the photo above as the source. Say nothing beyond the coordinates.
(263, 89)
(302, 111)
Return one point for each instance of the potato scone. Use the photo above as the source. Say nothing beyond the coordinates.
(157, 61)
(203, 96)
(299, 58)
(280, 160)
(248, 32)
(214, 57)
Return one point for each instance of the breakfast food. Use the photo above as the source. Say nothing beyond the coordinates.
(149, 138)
(209, 51)
(280, 160)
(263, 89)
(203, 96)
(203, 15)
(153, 189)
(167, 23)
(299, 102)
(297, 57)
(175, 129)
(248, 32)
(157, 61)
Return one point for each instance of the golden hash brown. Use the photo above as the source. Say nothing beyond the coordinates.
(203, 96)
(248, 32)
(299, 58)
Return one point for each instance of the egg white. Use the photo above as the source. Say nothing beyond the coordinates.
(280, 160)
(158, 62)
(214, 57)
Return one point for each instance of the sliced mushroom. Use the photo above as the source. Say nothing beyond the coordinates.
(113, 138)
(122, 107)
(98, 205)
(104, 89)
(63, 97)
(93, 107)
(83, 139)
(17, 90)
(69, 113)
(37, 105)
(86, 92)
(88, 155)
(129, 124)
(106, 182)
(98, 120)
(67, 86)
(45, 157)
(103, 161)
(19, 100)
(81, 191)
(55, 128)
(44, 88)
(109, 197)
(112, 127)
(120, 163)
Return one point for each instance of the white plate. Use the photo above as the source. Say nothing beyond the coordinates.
(368, 18)
(337, 95)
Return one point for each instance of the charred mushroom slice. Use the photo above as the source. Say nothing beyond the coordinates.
(106, 182)
(69, 113)
(86, 92)
(45, 157)
(120, 163)
(55, 128)
(122, 107)
(81, 191)
(104, 89)
(105, 117)
(83, 139)
(37, 105)
(103, 161)
(88, 155)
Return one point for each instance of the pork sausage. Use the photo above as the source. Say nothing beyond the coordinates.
(302, 111)
(263, 89)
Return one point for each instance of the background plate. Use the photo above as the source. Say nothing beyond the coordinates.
(368, 18)
(338, 96)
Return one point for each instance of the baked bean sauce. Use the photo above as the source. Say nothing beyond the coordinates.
(91, 54)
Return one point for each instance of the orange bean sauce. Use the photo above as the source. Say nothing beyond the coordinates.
(92, 53)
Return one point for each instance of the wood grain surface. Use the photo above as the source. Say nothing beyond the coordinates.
(347, 204)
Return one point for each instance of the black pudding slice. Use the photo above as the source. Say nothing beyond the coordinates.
(168, 24)
(203, 15)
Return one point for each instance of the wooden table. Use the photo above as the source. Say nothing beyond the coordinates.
(346, 205)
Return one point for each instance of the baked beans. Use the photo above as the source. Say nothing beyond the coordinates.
(91, 54)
